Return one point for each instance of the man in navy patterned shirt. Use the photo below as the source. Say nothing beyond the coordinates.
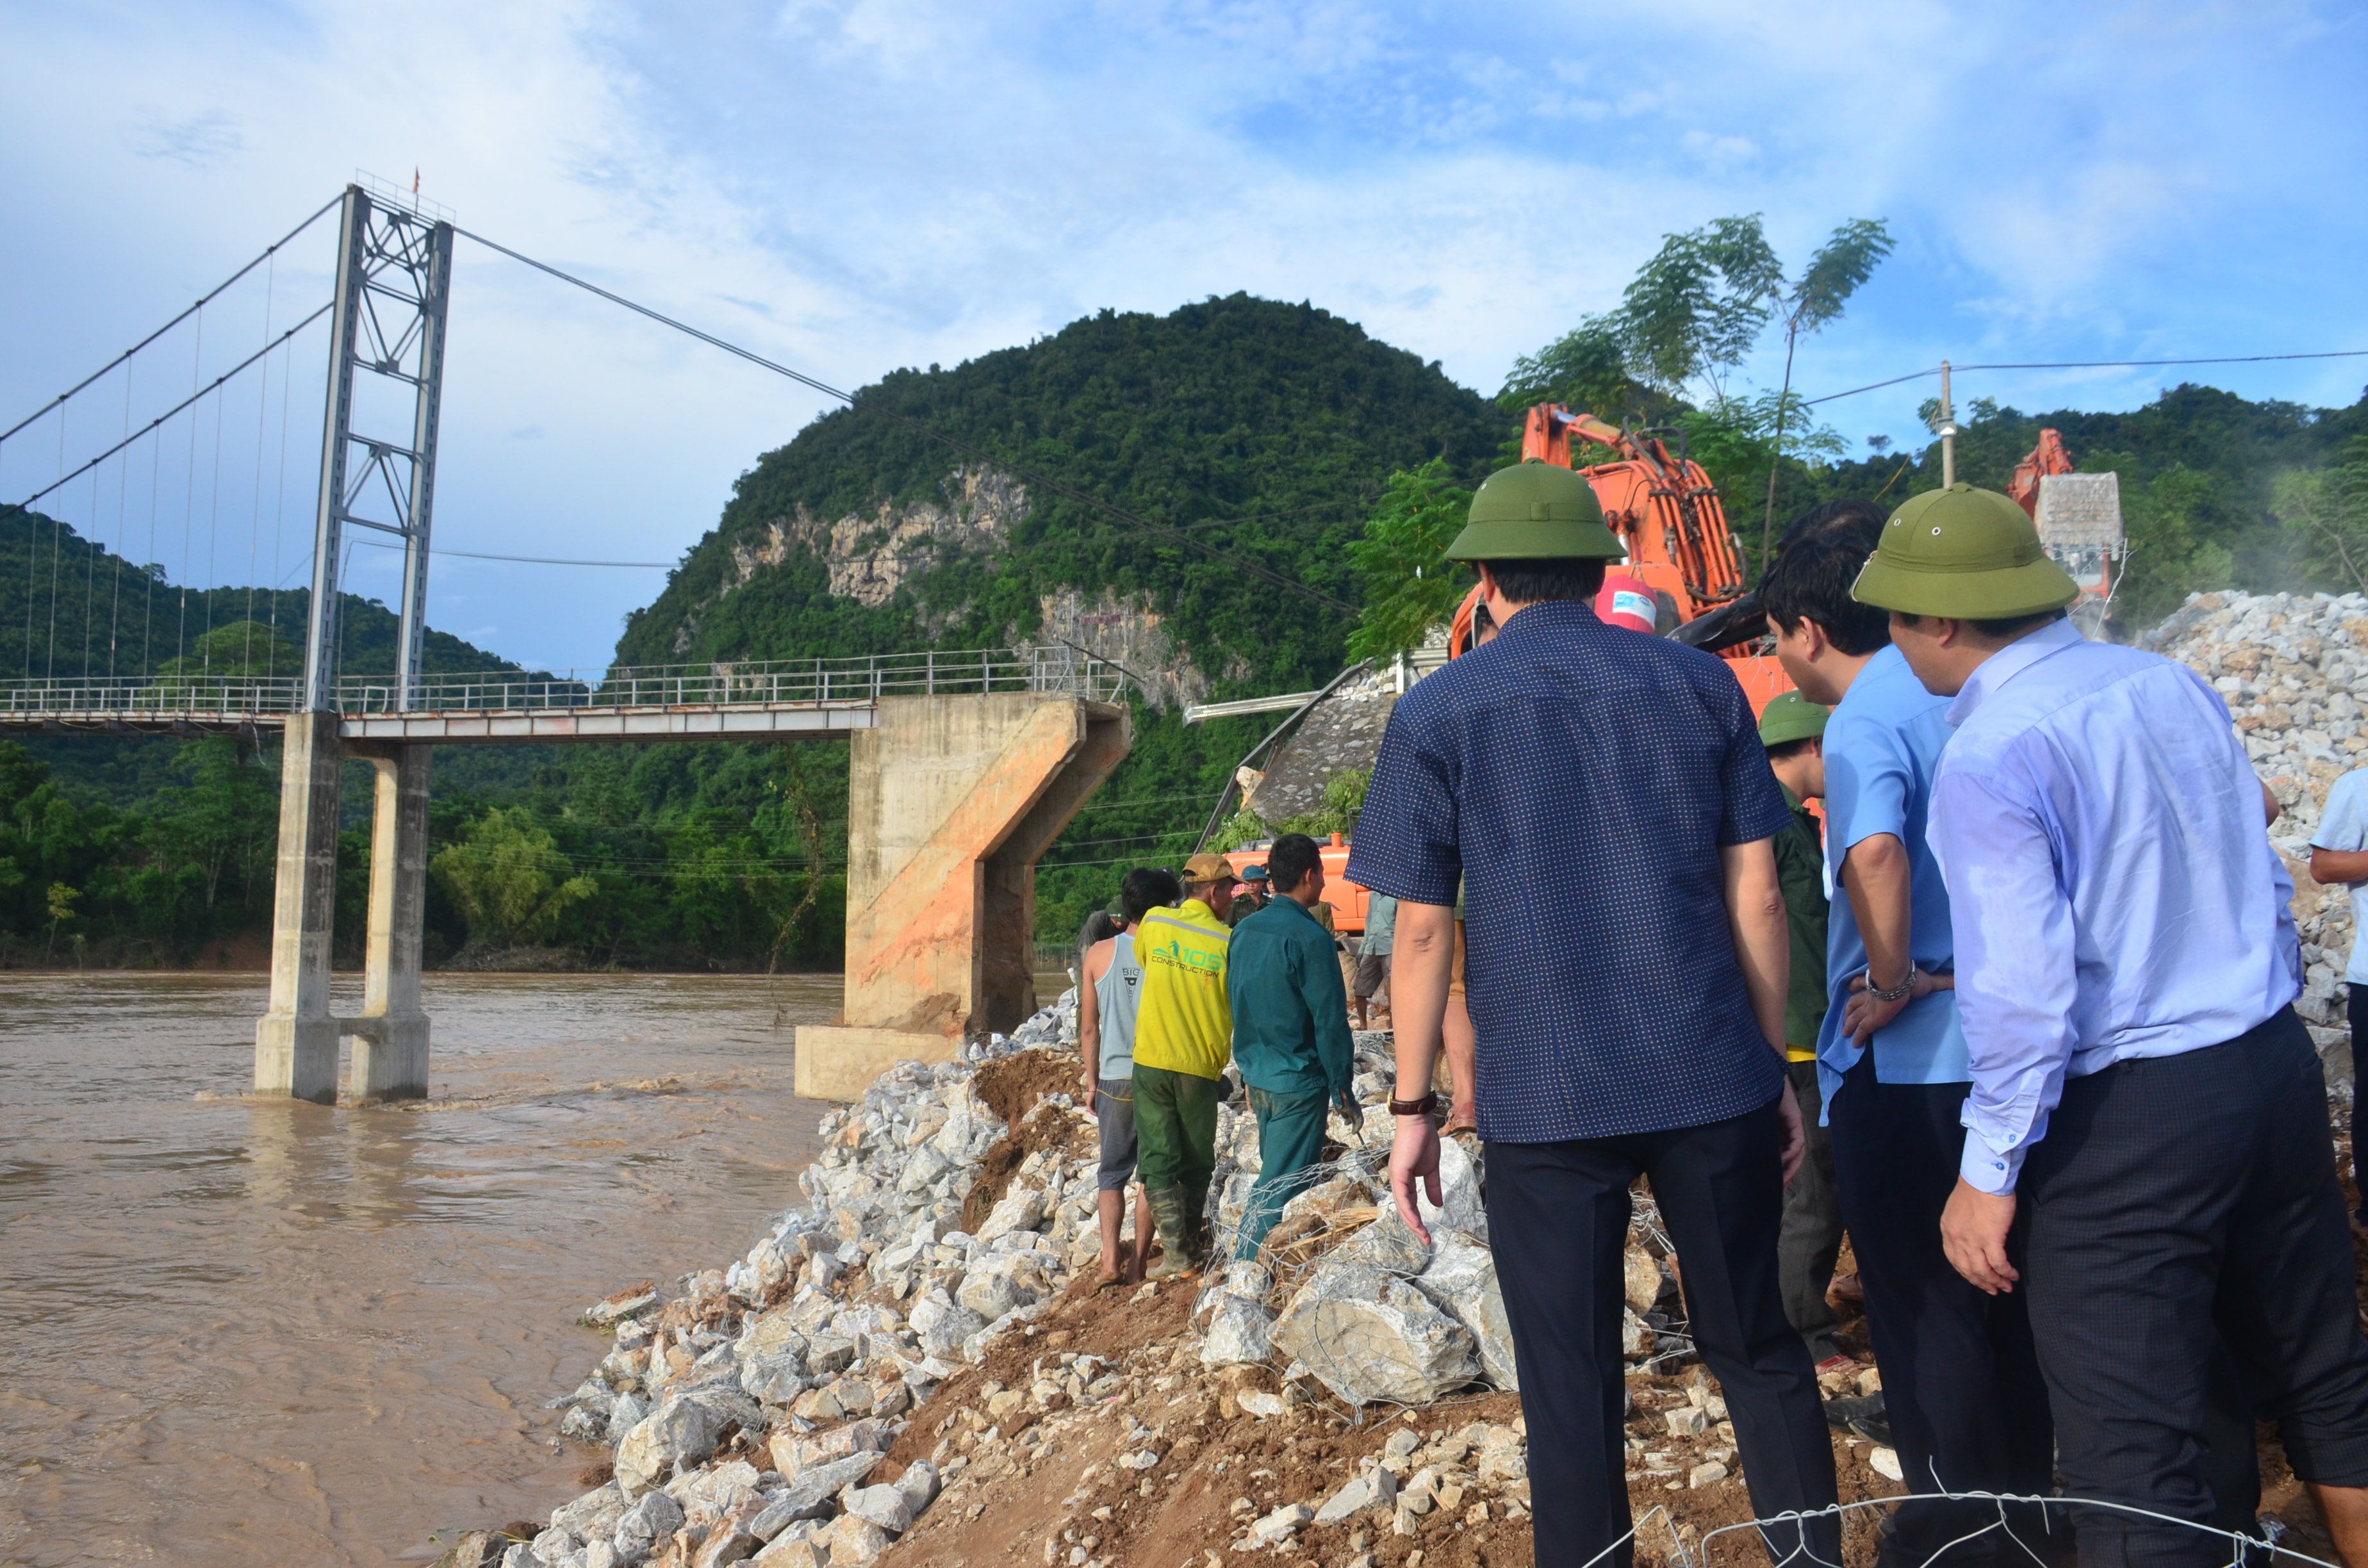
(1607, 800)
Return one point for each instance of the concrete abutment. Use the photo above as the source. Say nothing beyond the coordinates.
(950, 802)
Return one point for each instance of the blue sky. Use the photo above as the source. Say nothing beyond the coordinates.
(854, 187)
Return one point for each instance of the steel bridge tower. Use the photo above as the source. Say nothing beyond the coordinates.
(377, 473)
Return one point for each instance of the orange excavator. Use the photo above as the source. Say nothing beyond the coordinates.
(1682, 559)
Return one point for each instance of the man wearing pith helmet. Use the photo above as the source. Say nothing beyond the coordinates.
(2147, 1147)
(1607, 803)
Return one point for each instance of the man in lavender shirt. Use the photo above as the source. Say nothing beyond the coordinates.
(2148, 1151)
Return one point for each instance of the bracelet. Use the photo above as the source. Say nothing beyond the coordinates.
(1895, 993)
(1415, 1106)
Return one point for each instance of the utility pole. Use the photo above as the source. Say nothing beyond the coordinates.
(1948, 432)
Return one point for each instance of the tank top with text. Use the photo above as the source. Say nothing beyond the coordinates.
(1116, 995)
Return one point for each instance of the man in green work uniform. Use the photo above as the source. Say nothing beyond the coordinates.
(1792, 728)
(1291, 1030)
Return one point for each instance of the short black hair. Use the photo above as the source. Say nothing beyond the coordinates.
(1287, 864)
(1146, 889)
(1859, 520)
(1783, 749)
(1810, 581)
(1539, 582)
(2008, 626)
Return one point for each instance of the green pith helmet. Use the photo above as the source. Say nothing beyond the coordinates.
(1965, 553)
(1536, 511)
(1791, 717)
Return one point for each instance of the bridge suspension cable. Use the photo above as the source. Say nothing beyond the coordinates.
(203, 299)
(920, 427)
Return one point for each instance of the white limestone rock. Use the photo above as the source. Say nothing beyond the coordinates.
(1462, 1279)
(1238, 1332)
(1371, 1337)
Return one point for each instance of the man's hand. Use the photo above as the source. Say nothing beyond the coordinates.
(1973, 1232)
(1795, 1147)
(1863, 1014)
(1413, 1155)
(1091, 1107)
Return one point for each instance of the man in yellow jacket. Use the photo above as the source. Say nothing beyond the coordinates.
(1183, 1037)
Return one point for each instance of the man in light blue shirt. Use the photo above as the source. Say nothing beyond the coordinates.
(2339, 853)
(1961, 1388)
(2147, 1131)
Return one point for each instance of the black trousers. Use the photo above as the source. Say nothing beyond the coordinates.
(1810, 1239)
(2177, 1201)
(1558, 1224)
(2358, 1008)
(1960, 1379)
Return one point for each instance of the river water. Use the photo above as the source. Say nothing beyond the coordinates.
(235, 1331)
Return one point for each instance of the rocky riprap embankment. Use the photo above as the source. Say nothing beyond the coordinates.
(2294, 670)
(752, 1415)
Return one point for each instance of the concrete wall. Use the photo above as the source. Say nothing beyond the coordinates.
(950, 802)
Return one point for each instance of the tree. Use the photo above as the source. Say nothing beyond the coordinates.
(1691, 315)
(2325, 513)
(1846, 260)
(1410, 586)
(508, 877)
(61, 909)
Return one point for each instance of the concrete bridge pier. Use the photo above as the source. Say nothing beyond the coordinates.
(950, 802)
(296, 1042)
(391, 1035)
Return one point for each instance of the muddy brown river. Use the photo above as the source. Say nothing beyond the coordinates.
(242, 1331)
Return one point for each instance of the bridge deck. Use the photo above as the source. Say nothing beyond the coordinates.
(813, 699)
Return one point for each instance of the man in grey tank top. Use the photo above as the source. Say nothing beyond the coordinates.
(1107, 994)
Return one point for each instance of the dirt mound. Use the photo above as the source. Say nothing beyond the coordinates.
(1015, 1089)
(1011, 1086)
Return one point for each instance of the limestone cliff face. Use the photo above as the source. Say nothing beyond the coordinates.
(1129, 635)
(869, 556)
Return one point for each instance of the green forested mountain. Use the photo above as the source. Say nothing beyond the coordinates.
(1268, 431)
(1260, 428)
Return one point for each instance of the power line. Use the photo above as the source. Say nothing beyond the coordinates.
(923, 429)
(529, 559)
(2096, 365)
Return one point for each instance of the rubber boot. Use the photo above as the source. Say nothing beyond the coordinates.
(1196, 1222)
(1167, 1214)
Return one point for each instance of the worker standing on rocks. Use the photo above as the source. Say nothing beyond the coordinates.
(2339, 853)
(1291, 1031)
(2147, 1150)
(1962, 1389)
(1373, 952)
(1109, 998)
(1608, 800)
(1790, 728)
(1183, 1037)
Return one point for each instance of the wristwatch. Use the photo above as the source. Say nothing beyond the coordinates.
(1895, 993)
(1421, 1107)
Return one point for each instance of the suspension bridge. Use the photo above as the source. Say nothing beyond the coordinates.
(965, 764)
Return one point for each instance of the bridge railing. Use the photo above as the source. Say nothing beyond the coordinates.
(229, 696)
(1054, 670)
(865, 679)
